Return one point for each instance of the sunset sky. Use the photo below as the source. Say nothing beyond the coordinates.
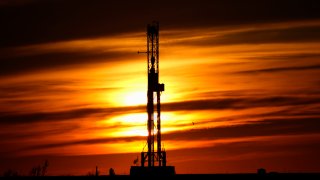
(242, 84)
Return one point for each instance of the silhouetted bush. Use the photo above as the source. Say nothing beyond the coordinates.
(90, 173)
(261, 171)
(40, 170)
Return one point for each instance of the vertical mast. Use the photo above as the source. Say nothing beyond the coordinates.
(151, 32)
(156, 158)
(154, 91)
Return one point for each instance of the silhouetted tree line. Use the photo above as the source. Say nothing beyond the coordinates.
(10, 172)
(39, 170)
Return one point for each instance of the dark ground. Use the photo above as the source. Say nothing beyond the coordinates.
(285, 176)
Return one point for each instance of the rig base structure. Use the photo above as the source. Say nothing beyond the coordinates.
(152, 171)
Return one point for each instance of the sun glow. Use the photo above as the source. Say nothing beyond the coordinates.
(134, 98)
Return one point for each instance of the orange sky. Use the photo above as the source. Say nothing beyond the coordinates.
(238, 97)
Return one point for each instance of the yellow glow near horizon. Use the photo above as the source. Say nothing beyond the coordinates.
(136, 131)
(131, 119)
(135, 124)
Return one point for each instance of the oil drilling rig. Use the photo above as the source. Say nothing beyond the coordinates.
(154, 161)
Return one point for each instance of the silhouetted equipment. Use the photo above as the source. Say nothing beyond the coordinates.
(156, 159)
(111, 172)
(97, 171)
(135, 162)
